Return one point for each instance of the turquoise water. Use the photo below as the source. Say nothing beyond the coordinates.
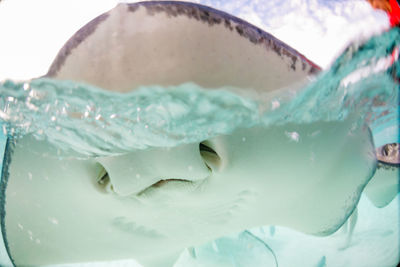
(93, 122)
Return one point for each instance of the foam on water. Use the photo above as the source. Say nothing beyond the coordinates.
(97, 122)
(94, 122)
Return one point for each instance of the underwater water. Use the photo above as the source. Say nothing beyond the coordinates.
(91, 122)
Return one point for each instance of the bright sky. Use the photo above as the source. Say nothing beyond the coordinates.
(32, 32)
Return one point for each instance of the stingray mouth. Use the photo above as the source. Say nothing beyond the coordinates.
(165, 181)
(104, 183)
(166, 185)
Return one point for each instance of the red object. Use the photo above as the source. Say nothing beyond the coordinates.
(394, 56)
(394, 15)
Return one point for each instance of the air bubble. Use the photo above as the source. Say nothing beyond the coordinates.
(53, 220)
(26, 86)
(295, 136)
(275, 104)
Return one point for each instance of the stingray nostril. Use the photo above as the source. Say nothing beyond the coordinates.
(205, 147)
(103, 178)
(209, 155)
(103, 182)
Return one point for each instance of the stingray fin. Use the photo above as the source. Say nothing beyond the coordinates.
(384, 186)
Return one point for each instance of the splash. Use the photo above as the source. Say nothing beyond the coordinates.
(95, 122)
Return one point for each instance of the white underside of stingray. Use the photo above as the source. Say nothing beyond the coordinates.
(151, 204)
(384, 187)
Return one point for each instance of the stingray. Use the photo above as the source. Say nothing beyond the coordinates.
(151, 204)
(384, 187)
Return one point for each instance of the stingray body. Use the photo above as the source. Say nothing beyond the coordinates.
(384, 187)
(168, 43)
(151, 204)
